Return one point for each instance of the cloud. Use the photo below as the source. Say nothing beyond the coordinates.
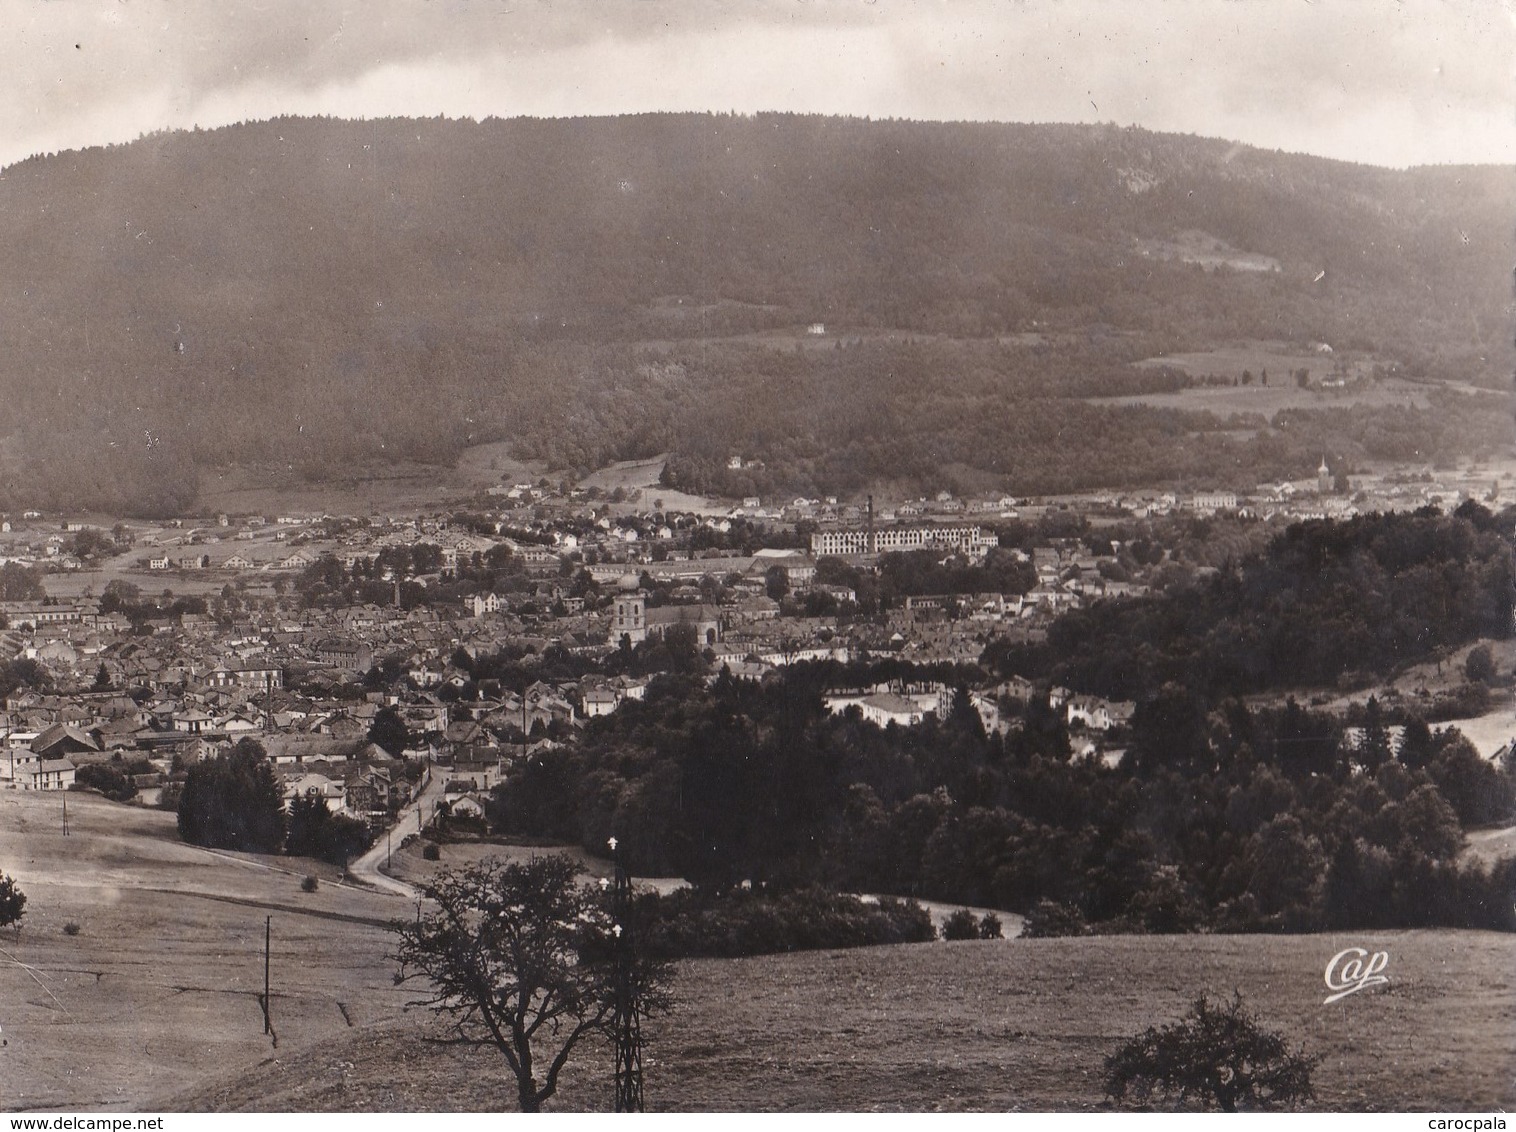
(1394, 82)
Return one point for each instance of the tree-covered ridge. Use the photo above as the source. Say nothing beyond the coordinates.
(1238, 820)
(318, 292)
(1325, 600)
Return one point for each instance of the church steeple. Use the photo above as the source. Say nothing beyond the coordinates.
(1323, 477)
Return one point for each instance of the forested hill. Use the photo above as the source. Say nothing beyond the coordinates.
(320, 291)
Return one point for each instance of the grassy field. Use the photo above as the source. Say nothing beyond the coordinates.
(1281, 361)
(152, 1004)
(991, 1026)
(1227, 400)
(158, 988)
(627, 474)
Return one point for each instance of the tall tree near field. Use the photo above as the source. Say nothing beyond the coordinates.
(234, 802)
(518, 956)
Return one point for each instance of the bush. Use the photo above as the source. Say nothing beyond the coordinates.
(1216, 1053)
(71, 928)
(107, 780)
(432, 851)
(960, 925)
(1479, 665)
(695, 922)
(990, 927)
(12, 903)
(1051, 920)
(309, 883)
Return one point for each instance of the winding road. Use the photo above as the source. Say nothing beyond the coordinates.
(365, 869)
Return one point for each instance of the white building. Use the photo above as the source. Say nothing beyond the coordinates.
(971, 540)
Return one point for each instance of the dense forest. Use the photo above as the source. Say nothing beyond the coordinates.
(1241, 820)
(322, 294)
(1324, 603)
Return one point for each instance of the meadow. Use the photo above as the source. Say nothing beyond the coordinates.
(152, 1004)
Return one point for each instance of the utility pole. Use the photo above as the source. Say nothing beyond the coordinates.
(268, 932)
(628, 1018)
(65, 814)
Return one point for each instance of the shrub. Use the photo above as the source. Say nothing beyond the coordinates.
(1050, 920)
(432, 851)
(71, 928)
(1479, 665)
(960, 925)
(694, 922)
(1217, 1053)
(990, 927)
(12, 903)
(309, 883)
(107, 780)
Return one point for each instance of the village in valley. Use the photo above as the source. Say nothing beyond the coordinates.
(352, 647)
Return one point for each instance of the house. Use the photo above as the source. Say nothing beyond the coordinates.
(480, 604)
(885, 708)
(880, 708)
(332, 791)
(206, 748)
(599, 701)
(193, 721)
(47, 774)
(350, 656)
(466, 806)
(377, 790)
(61, 740)
(1097, 714)
(17, 764)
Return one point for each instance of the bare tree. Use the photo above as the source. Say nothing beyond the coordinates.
(521, 957)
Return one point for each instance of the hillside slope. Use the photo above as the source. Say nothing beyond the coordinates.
(1022, 1025)
(316, 292)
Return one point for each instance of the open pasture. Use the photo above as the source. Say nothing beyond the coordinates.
(979, 1026)
(1280, 362)
(159, 986)
(153, 1003)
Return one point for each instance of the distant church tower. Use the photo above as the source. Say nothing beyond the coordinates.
(630, 619)
(1323, 477)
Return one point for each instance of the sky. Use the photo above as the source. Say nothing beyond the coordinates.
(1387, 82)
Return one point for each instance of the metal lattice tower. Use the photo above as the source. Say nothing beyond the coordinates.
(628, 1019)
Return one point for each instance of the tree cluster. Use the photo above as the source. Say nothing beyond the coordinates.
(1325, 601)
(235, 802)
(1238, 819)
